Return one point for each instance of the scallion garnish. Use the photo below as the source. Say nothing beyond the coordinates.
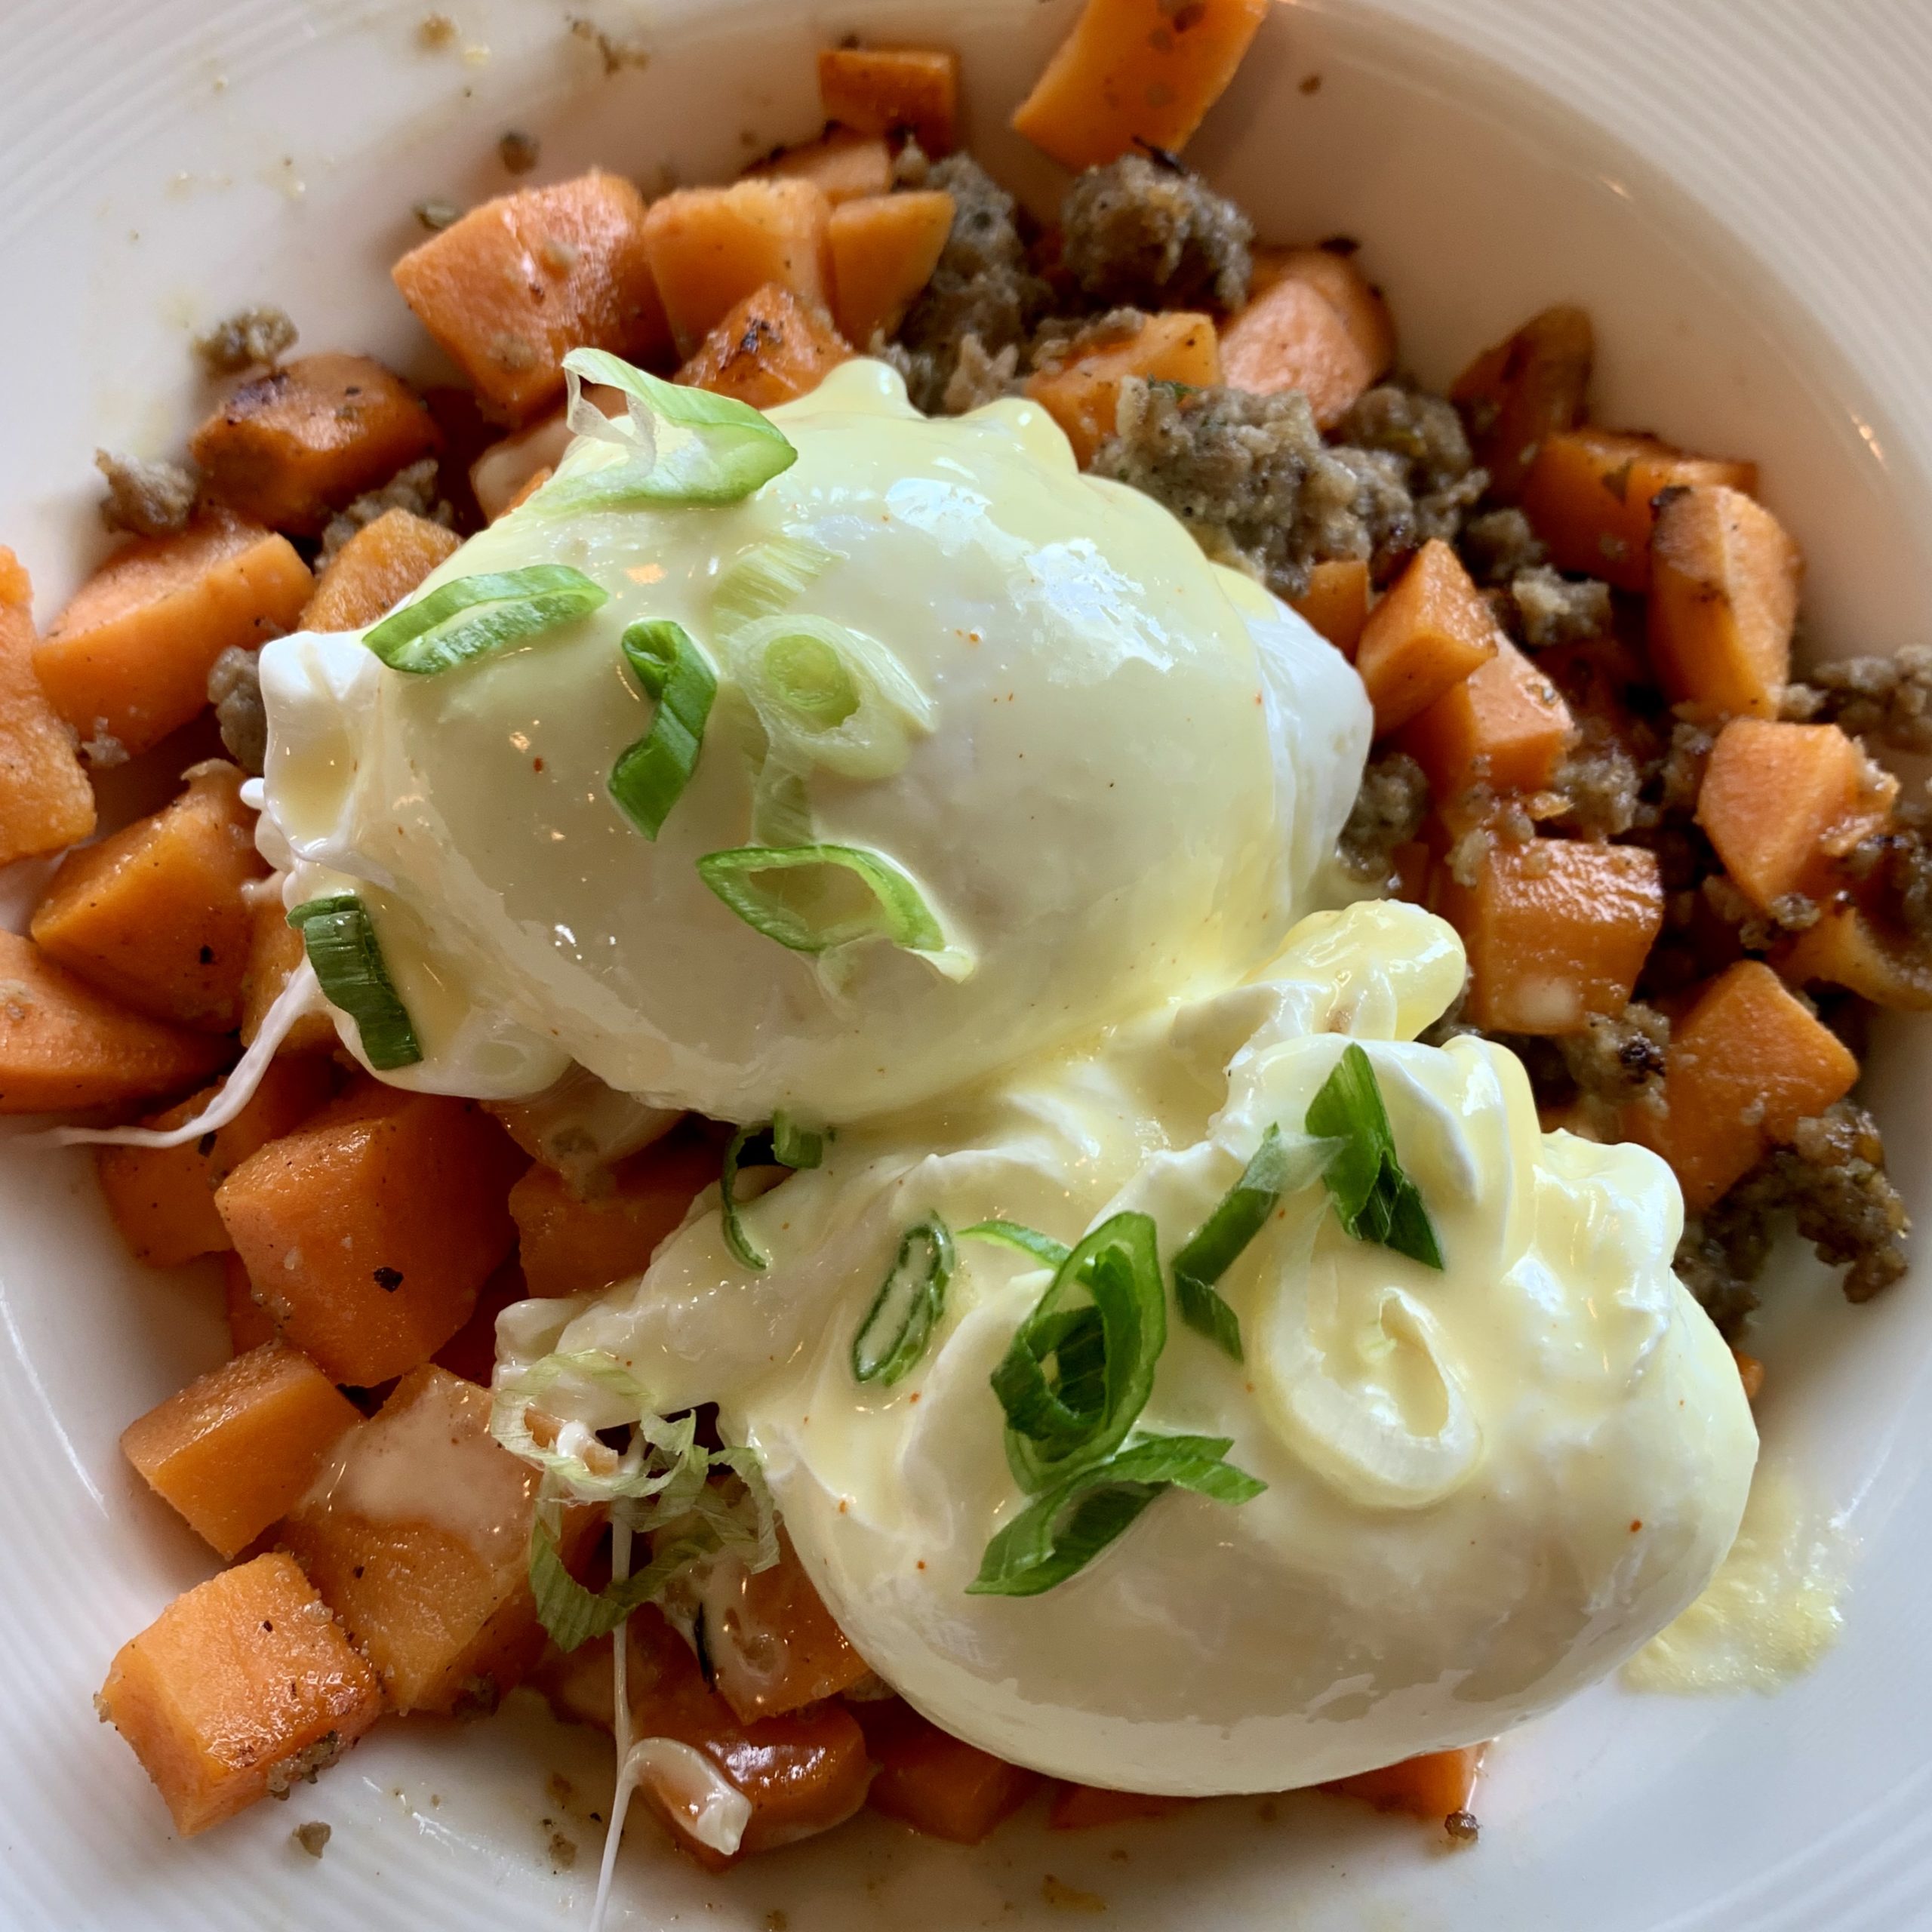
(812, 898)
(341, 939)
(1014, 1234)
(572, 1615)
(468, 618)
(784, 1143)
(679, 445)
(1278, 1167)
(1065, 1527)
(766, 580)
(647, 779)
(1373, 1196)
(1080, 1367)
(894, 1334)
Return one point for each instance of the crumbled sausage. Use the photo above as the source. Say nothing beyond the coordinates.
(1555, 609)
(1613, 1062)
(1602, 781)
(1423, 430)
(1889, 699)
(413, 489)
(1389, 812)
(150, 498)
(235, 690)
(1498, 545)
(1135, 231)
(246, 339)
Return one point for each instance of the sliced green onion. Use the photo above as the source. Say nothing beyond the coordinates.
(648, 779)
(1080, 1367)
(1373, 1196)
(812, 898)
(767, 580)
(467, 619)
(572, 1615)
(1063, 1531)
(678, 445)
(341, 939)
(1278, 1167)
(784, 1143)
(1015, 1234)
(900, 1323)
(781, 813)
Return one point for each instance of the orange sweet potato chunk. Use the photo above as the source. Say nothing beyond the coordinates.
(127, 661)
(1724, 579)
(772, 348)
(63, 1045)
(162, 1198)
(1292, 338)
(710, 248)
(1747, 1063)
(1590, 496)
(290, 447)
(501, 475)
(236, 1449)
(1556, 929)
(1432, 1786)
(1082, 1807)
(1781, 802)
(46, 801)
(241, 1688)
(1333, 274)
(773, 1645)
(274, 951)
(1514, 396)
(1430, 632)
(376, 570)
(516, 285)
(889, 89)
(844, 165)
(154, 915)
(884, 248)
(250, 1325)
(417, 1536)
(570, 1245)
(1136, 73)
(1505, 725)
(1846, 948)
(1083, 395)
(369, 1230)
(1336, 602)
(936, 1782)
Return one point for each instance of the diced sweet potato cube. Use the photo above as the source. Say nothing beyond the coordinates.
(570, 1245)
(500, 475)
(471, 1352)
(1747, 1063)
(418, 1535)
(162, 1198)
(1292, 338)
(288, 448)
(1846, 948)
(242, 1687)
(274, 951)
(1505, 725)
(1432, 1786)
(1531, 387)
(376, 570)
(369, 1230)
(710, 248)
(1334, 274)
(1136, 73)
(250, 1325)
(62, 1045)
(46, 801)
(127, 661)
(772, 348)
(936, 1782)
(1083, 396)
(1589, 495)
(1336, 602)
(155, 914)
(773, 1645)
(1428, 633)
(1082, 1807)
(888, 90)
(1781, 802)
(842, 163)
(236, 1449)
(1724, 576)
(884, 248)
(1556, 929)
(516, 285)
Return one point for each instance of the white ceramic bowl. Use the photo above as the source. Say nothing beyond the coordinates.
(166, 160)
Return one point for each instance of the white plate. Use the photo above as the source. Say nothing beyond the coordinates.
(167, 159)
